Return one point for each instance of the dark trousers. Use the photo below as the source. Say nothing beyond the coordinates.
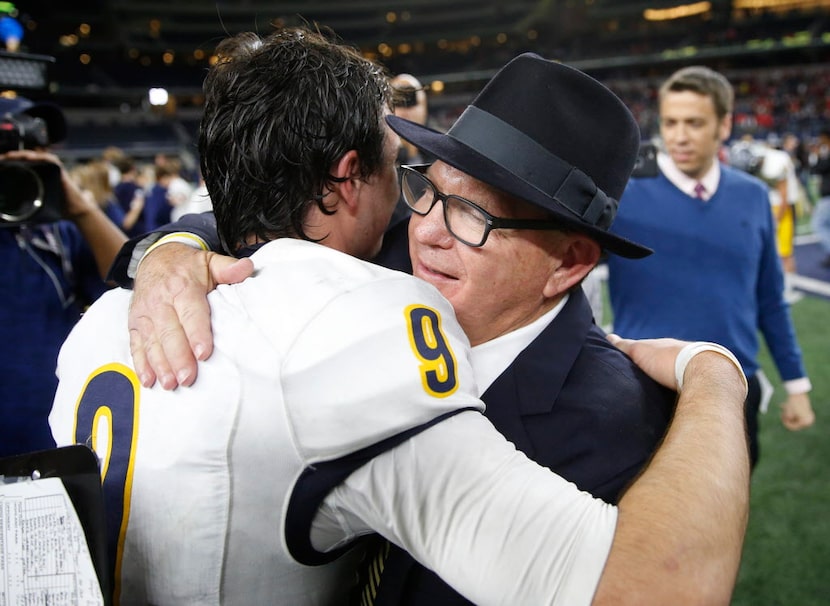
(753, 403)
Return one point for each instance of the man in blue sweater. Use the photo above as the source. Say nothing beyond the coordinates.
(715, 273)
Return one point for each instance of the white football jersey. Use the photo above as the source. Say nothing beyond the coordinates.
(777, 166)
(210, 489)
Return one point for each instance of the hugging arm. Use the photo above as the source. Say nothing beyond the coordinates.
(169, 319)
(502, 530)
(680, 526)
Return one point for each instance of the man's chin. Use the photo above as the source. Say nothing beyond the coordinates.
(687, 166)
(446, 286)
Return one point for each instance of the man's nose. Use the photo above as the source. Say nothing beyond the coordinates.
(430, 229)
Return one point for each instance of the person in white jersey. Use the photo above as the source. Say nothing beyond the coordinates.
(339, 401)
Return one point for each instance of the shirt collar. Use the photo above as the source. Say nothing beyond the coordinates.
(492, 358)
(685, 183)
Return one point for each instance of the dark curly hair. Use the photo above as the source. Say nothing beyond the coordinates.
(279, 112)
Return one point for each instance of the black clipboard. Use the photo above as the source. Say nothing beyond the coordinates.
(77, 467)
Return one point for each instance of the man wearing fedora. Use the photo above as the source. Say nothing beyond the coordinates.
(506, 223)
(51, 269)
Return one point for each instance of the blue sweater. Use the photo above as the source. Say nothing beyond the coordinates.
(715, 274)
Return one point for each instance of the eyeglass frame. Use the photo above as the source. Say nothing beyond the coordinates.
(491, 222)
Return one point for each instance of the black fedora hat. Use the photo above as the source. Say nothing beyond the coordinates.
(550, 135)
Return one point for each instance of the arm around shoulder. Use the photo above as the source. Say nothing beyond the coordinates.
(681, 524)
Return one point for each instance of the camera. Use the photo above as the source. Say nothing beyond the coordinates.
(30, 192)
(646, 164)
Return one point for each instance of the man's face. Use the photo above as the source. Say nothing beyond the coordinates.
(691, 131)
(498, 287)
(380, 193)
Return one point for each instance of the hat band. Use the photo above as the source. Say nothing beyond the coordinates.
(534, 165)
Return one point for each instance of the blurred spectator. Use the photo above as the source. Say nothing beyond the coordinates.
(794, 146)
(170, 190)
(50, 272)
(94, 179)
(820, 165)
(410, 102)
(129, 192)
(777, 169)
(111, 156)
(199, 202)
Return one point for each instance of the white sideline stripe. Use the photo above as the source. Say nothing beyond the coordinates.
(801, 282)
(810, 285)
(805, 239)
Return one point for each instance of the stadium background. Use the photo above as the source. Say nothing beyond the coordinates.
(108, 54)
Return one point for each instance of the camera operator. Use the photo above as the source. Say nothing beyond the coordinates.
(52, 269)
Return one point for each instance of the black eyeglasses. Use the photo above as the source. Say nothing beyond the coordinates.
(466, 221)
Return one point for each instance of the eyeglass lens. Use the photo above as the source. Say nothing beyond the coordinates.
(463, 220)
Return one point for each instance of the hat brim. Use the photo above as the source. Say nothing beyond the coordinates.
(457, 154)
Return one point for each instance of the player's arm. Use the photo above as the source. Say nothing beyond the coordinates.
(171, 271)
(681, 524)
(502, 530)
(169, 318)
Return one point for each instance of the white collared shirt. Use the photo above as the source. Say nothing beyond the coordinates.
(684, 182)
(490, 359)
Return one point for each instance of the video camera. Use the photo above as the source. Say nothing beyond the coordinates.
(30, 192)
(646, 164)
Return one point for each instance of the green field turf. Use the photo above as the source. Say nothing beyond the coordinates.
(786, 558)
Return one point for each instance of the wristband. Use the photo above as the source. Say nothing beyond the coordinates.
(182, 237)
(692, 349)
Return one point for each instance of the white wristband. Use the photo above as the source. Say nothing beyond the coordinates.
(692, 349)
(146, 246)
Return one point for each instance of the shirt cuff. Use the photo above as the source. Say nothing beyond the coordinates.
(798, 386)
(151, 242)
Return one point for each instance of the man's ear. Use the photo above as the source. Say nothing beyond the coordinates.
(347, 174)
(578, 255)
(725, 128)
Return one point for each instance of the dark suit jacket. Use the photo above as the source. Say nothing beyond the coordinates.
(570, 401)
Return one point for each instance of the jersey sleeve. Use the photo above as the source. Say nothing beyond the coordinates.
(378, 360)
(497, 527)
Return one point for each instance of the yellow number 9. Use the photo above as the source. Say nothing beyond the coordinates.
(438, 366)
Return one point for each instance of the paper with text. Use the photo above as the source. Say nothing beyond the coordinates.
(44, 558)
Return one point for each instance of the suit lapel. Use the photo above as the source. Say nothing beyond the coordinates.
(531, 384)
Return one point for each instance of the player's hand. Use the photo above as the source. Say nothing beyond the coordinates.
(797, 413)
(656, 357)
(169, 319)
